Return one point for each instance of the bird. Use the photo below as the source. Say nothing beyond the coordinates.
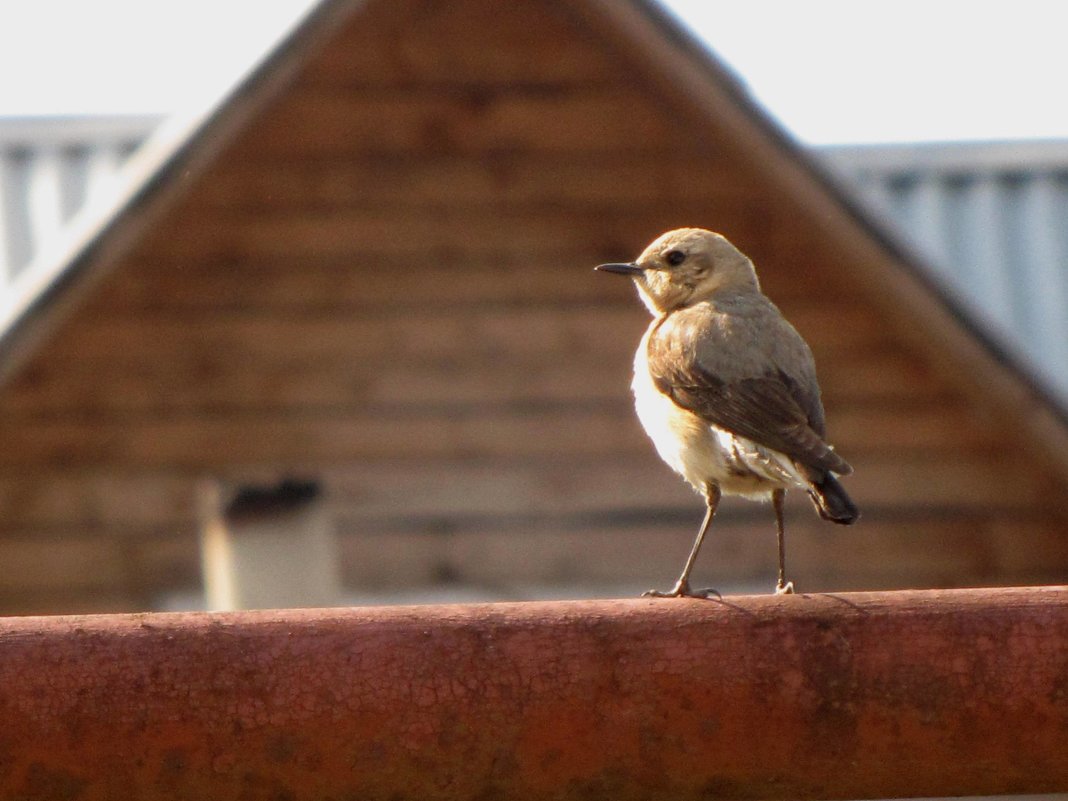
(726, 388)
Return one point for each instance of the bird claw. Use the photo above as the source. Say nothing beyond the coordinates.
(682, 590)
(784, 589)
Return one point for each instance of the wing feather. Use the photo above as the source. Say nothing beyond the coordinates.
(767, 408)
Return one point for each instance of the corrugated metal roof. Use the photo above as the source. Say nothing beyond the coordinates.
(991, 220)
(50, 167)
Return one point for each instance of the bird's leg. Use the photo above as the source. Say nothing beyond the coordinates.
(682, 586)
(783, 587)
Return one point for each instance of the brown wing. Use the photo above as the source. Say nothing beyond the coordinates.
(766, 409)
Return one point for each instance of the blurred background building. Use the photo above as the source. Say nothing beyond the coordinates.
(198, 393)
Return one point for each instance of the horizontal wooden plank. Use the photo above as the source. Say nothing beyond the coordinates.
(863, 430)
(396, 333)
(87, 569)
(199, 441)
(651, 554)
(354, 285)
(520, 181)
(330, 122)
(584, 489)
(956, 552)
(889, 376)
(210, 234)
(61, 563)
(64, 601)
(97, 499)
(563, 484)
(880, 554)
(109, 389)
(508, 337)
(1023, 549)
(933, 445)
(165, 564)
(472, 42)
(425, 429)
(613, 559)
(555, 487)
(103, 387)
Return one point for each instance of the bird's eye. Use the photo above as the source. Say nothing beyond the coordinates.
(675, 257)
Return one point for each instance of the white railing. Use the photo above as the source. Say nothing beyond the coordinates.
(49, 169)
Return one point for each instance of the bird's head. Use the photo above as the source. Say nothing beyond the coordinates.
(686, 266)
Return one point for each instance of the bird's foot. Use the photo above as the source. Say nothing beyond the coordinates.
(682, 590)
(784, 589)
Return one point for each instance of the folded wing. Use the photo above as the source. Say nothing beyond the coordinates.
(768, 409)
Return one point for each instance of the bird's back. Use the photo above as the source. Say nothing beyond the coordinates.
(743, 336)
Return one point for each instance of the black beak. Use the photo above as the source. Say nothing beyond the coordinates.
(620, 269)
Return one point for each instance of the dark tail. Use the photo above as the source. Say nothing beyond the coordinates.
(831, 501)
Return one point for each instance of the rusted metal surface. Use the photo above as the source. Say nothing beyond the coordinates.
(809, 696)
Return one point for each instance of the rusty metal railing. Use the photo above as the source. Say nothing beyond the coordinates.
(811, 696)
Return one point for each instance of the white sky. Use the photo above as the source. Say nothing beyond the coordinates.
(874, 71)
(830, 70)
(128, 56)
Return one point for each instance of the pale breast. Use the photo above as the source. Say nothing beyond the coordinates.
(681, 438)
(703, 453)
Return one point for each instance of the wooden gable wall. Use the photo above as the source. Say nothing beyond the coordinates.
(386, 281)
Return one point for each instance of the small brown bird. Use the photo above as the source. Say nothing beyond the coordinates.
(726, 387)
